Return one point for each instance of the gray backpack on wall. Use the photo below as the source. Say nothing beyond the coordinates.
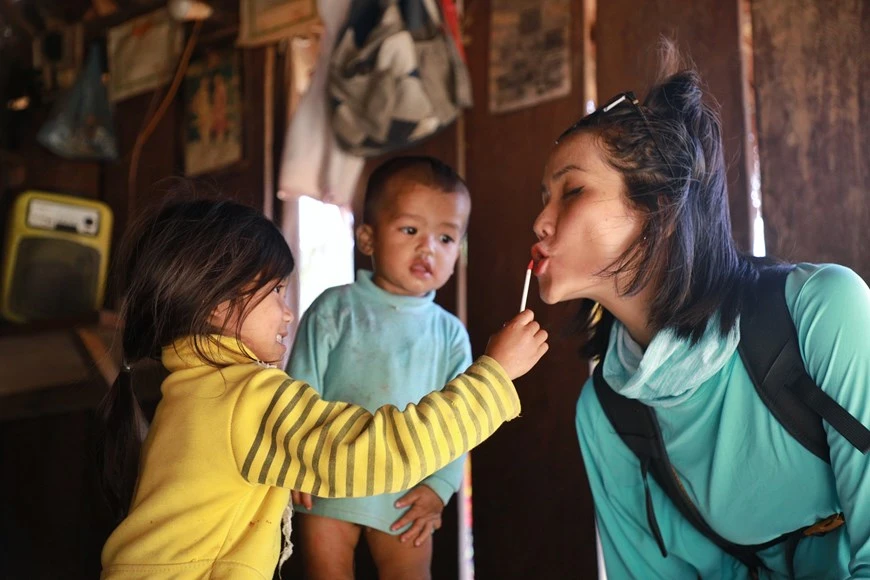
(395, 77)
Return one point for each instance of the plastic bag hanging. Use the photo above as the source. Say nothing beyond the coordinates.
(80, 126)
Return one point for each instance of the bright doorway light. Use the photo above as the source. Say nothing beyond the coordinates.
(325, 249)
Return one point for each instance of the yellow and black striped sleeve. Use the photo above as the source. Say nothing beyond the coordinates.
(284, 434)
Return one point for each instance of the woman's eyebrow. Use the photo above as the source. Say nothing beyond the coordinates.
(567, 169)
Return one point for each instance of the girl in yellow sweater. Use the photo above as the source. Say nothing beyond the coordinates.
(233, 434)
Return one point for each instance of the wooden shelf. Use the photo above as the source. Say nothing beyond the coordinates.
(64, 366)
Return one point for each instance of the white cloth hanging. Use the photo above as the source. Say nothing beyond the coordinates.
(312, 163)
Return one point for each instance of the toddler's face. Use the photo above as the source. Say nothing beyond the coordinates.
(415, 242)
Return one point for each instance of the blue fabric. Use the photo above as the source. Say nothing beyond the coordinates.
(748, 477)
(361, 344)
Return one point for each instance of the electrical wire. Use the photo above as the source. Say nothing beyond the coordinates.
(148, 129)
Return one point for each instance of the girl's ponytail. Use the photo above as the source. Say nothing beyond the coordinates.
(124, 428)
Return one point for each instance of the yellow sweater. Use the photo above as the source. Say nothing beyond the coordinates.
(228, 444)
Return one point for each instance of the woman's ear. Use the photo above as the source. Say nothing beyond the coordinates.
(365, 239)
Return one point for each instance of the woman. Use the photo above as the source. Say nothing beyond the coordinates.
(635, 224)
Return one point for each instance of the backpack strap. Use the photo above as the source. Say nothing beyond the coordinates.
(771, 354)
(637, 426)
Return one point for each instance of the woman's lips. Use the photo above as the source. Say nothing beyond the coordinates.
(540, 258)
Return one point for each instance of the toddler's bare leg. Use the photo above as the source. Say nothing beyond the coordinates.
(399, 561)
(327, 547)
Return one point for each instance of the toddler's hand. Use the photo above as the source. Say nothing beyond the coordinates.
(519, 345)
(302, 498)
(425, 512)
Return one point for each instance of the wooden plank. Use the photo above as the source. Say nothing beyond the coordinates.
(811, 77)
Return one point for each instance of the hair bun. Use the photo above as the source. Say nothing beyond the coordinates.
(679, 96)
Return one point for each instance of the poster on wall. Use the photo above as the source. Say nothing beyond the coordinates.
(267, 21)
(529, 53)
(213, 113)
(143, 54)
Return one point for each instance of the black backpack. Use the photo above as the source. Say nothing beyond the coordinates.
(769, 350)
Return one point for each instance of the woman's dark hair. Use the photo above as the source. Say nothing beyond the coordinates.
(176, 266)
(669, 152)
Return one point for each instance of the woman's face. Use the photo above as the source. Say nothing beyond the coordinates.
(586, 223)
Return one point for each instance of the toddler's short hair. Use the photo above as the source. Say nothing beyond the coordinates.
(421, 169)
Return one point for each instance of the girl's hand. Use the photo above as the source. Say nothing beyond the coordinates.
(425, 512)
(302, 498)
(519, 345)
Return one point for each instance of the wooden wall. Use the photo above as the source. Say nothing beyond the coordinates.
(52, 523)
(46, 171)
(532, 510)
(813, 92)
(163, 155)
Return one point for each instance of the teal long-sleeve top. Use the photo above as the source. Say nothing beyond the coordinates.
(750, 480)
(361, 344)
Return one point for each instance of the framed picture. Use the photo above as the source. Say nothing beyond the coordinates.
(143, 54)
(267, 21)
(213, 112)
(529, 53)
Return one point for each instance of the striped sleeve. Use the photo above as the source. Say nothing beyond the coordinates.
(285, 435)
(447, 480)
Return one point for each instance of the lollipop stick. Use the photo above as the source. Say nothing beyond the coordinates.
(526, 284)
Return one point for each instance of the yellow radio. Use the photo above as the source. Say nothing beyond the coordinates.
(56, 257)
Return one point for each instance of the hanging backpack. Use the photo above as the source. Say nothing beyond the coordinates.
(771, 354)
(396, 76)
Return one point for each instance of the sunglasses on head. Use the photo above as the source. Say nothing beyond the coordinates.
(626, 98)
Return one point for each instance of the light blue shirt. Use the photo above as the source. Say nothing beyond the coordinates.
(750, 480)
(361, 344)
